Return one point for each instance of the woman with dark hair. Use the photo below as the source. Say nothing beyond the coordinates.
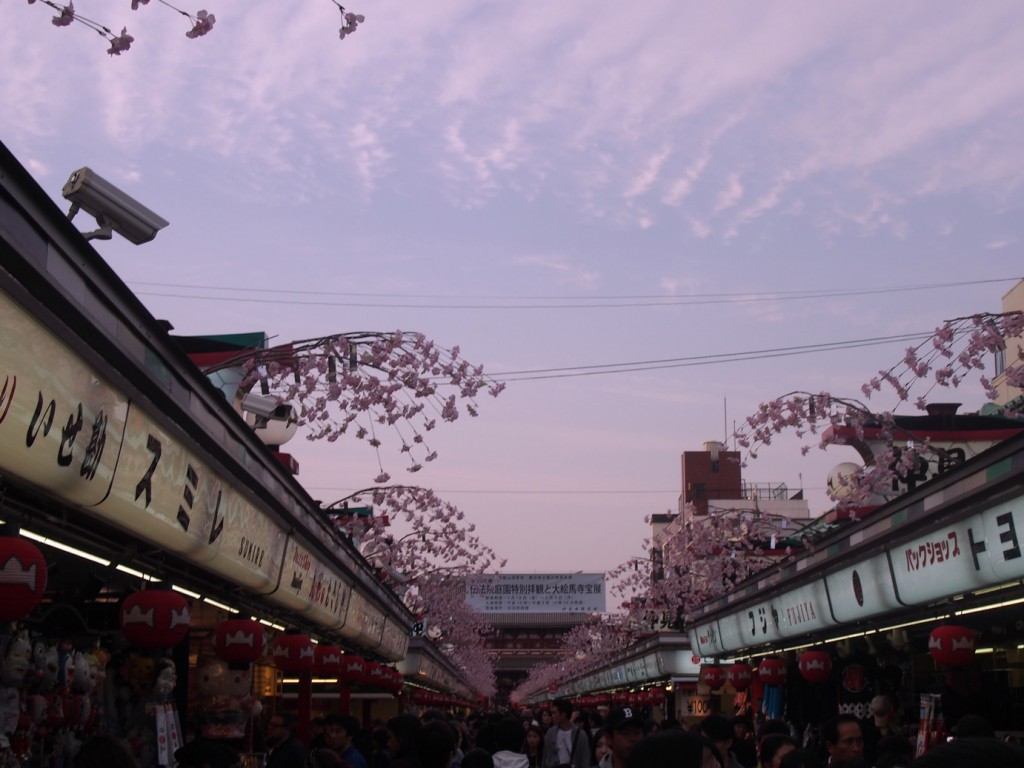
(602, 746)
(533, 745)
(774, 748)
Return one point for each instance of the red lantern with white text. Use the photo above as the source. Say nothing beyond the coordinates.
(239, 641)
(292, 653)
(352, 668)
(22, 577)
(741, 676)
(815, 666)
(155, 618)
(772, 671)
(952, 645)
(656, 695)
(327, 660)
(376, 675)
(713, 676)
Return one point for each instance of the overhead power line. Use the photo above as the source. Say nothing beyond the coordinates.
(305, 297)
(700, 360)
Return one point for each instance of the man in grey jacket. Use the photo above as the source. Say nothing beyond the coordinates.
(565, 745)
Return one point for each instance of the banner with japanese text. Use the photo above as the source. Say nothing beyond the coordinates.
(536, 592)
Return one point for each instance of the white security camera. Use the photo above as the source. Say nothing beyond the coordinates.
(113, 209)
(268, 407)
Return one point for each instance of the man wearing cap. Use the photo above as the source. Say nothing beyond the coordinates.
(565, 745)
(624, 727)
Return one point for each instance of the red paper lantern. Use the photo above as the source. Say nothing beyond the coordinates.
(376, 675)
(396, 679)
(352, 668)
(155, 618)
(657, 695)
(292, 652)
(740, 676)
(713, 676)
(239, 641)
(772, 671)
(815, 666)
(327, 660)
(952, 645)
(23, 579)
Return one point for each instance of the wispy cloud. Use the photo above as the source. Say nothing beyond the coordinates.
(564, 272)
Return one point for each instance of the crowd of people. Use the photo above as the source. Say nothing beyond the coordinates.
(557, 736)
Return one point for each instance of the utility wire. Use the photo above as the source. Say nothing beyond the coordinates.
(577, 302)
(701, 360)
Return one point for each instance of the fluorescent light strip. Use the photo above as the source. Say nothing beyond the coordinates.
(983, 650)
(186, 592)
(222, 606)
(991, 607)
(270, 624)
(135, 573)
(64, 547)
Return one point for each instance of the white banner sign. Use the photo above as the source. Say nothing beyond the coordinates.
(536, 592)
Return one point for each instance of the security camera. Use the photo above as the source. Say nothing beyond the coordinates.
(268, 407)
(113, 209)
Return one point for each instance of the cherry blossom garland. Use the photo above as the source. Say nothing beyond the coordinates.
(458, 631)
(955, 350)
(438, 540)
(583, 649)
(696, 562)
(68, 14)
(201, 23)
(353, 383)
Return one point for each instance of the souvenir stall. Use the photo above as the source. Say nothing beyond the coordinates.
(152, 544)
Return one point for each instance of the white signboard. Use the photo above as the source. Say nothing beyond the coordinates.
(862, 590)
(536, 592)
(981, 551)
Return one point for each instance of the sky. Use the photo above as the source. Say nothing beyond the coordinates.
(555, 187)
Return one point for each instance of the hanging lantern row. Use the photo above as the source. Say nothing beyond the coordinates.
(713, 676)
(436, 699)
(24, 582)
(952, 645)
(740, 676)
(292, 653)
(155, 618)
(772, 671)
(239, 641)
(622, 698)
(815, 666)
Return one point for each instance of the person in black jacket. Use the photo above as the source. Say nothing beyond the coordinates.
(284, 748)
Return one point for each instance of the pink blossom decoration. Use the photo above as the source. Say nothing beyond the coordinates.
(120, 43)
(67, 15)
(204, 23)
(351, 22)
